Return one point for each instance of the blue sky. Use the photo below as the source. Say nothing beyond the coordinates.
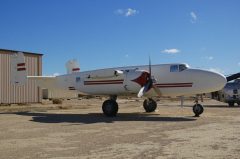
(109, 33)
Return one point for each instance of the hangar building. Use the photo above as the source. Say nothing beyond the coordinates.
(30, 92)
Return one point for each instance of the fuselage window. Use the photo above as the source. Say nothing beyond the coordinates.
(174, 68)
(182, 67)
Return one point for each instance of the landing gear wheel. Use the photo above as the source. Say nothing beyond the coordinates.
(198, 109)
(149, 105)
(230, 104)
(110, 108)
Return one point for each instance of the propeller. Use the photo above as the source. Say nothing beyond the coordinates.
(149, 83)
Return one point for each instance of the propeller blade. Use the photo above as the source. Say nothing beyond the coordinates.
(150, 67)
(157, 90)
(141, 92)
(145, 88)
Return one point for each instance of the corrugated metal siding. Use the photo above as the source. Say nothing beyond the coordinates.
(29, 93)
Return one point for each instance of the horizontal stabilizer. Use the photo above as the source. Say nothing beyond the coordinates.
(49, 82)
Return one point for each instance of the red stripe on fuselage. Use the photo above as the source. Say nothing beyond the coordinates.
(170, 85)
(106, 81)
(103, 82)
(173, 83)
(160, 85)
(174, 86)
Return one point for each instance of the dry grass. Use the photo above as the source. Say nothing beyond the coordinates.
(57, 101)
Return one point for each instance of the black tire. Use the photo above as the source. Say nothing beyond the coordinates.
(149, 105)
(231, 104)
(198, 109)
(110, 108)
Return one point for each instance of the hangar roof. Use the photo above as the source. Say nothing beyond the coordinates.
(14, 51)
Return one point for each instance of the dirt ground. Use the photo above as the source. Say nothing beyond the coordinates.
(78, 129)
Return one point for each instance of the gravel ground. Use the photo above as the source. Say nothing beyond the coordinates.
(77, 129)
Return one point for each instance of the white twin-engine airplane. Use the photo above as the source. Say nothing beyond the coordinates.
(169, 80)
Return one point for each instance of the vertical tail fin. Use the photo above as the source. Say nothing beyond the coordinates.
(72, 66)
(18, 69)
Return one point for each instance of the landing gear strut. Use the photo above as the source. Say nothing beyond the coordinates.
(110, 106)
(149, 105)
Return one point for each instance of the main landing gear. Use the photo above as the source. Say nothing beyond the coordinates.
(149, 105)
(110, 106)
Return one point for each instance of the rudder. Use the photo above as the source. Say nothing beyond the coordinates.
(72, 66)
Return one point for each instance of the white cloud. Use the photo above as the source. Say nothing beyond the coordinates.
(119, 12)
(193, 17)
(171, 51)
(209, 58)
(130, 12)
(218, 70)
(127, 12)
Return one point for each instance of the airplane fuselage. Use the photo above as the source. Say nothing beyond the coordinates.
(170, 79)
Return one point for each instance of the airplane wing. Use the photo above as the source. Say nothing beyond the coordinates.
(49, 82)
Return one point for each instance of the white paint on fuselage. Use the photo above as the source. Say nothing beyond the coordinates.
(202, 81)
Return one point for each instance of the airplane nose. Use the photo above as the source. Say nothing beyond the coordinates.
(218, 81)
(208, 81)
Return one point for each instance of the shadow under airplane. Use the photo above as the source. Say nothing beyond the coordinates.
(218, 106)
(98, 118)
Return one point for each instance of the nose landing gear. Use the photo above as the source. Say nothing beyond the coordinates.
(198, 108)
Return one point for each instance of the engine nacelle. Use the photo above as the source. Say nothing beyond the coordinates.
(134, 80)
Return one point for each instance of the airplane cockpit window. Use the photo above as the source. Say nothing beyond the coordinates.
(174, 68)
(178, 68)
(182, 67)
